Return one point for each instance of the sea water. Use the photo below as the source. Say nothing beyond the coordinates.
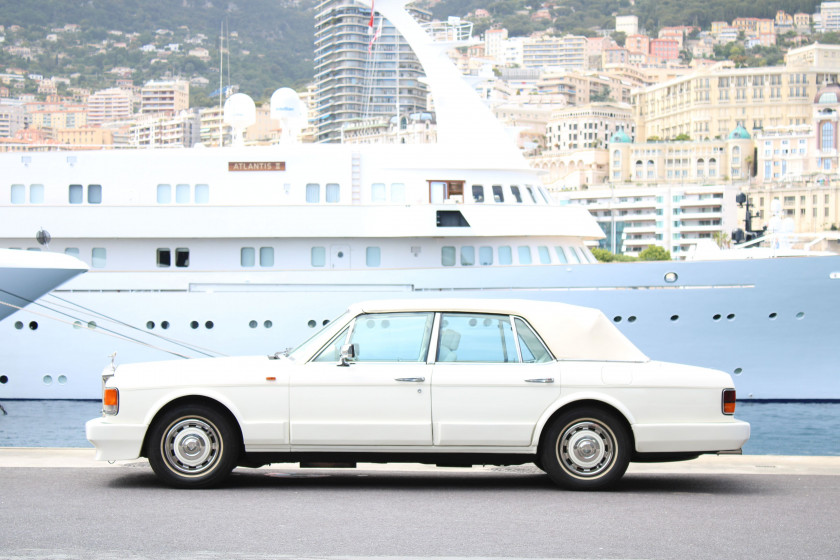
(777, 428)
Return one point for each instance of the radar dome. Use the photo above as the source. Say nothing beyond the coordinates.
(240, 111)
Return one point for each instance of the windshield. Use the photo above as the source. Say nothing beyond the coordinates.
(307, 347)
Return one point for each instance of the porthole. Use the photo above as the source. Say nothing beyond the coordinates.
(473, 322)
(617, 319)
(325, 322)
(62, 379)
(3, 379)
(268, 324)
(18, 325)
(91, 325)
(253, 324)
(150, 325)
(773, 316)
(730, 317)
(716, 317)
(671, 277)
(33, 325)
(631, 319)
(737, 371)
(164, 325)
(193, 324)
(208, 325)
(800, 315)
(77, 324)
(675, 318)
(47, 379)
(311, 324)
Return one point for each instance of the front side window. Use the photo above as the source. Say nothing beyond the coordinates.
(476, 337)
(530, 345)
(384, 337)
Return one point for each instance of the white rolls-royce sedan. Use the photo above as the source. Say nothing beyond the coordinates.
(451, 382)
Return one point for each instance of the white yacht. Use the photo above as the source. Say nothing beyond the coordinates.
(248, 250)
(27, 275)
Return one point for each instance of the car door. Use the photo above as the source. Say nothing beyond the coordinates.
(380, 397)
(493, 379)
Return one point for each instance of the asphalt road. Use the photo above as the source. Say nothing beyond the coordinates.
(123, 512)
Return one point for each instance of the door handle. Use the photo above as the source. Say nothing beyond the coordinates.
(541, 380)
(411, 379)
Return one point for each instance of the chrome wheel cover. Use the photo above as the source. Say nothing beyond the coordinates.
(191, 446)
(586, 449)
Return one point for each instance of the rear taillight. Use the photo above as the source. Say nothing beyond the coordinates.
(110, 400)
(728, 401)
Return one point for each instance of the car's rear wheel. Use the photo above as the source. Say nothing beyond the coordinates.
(193, 446)
(586, 449)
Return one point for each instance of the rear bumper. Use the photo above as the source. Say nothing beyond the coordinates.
(115, 442)
(701, 438)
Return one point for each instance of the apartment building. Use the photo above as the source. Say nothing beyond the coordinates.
(569, 51)
(357, 79)
(113, 104)
(11, 118)
(166, 97)
(161, 130)
(715, 100)
(588, 126)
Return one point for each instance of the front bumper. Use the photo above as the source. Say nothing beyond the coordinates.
(703, 438)
(115, 442)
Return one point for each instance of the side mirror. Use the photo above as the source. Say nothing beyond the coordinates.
(347, 353)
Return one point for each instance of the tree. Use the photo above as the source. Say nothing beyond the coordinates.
(620, 37)
(683, 137)
(654, 253)
(722, 239)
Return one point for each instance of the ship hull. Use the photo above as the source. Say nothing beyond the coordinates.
(770, 323)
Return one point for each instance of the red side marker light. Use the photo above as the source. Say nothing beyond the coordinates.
(271, 379)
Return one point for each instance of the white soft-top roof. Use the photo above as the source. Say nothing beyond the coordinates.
(571, 332)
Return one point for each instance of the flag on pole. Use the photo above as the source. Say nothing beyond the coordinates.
(370, 25)
(375, 35)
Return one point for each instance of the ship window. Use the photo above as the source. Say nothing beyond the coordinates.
(94, 194)
(182, 257)
(319, 256)
(531, 194)
(313, 193)
(76, 194)
(247, 256)
(485, 256)
(164, 194)
(581, 255)
(516, 194)
(182, 194)
(333, 192)
(164, 258)
(72, 251)
(266, 256)
(397, 192)
(377, 192)
(573, 258)
(373, 256)
(505, 255)
(524, 254)
(561, 255)
(478, 193)
(36, 194)
(544, 195)
(498, 195)
(447, 256)
(202, 194)
(545, 256)
(98, 256)
(467, 256)
(18, 194)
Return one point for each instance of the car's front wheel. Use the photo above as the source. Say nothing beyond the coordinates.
(193, 446)
(586, 449)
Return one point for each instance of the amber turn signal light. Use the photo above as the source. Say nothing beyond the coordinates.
(728, 401)
(110, 400)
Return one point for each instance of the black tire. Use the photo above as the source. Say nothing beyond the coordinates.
(193, 446)
(586, 449)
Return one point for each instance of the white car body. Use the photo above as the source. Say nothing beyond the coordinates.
(446, 406)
